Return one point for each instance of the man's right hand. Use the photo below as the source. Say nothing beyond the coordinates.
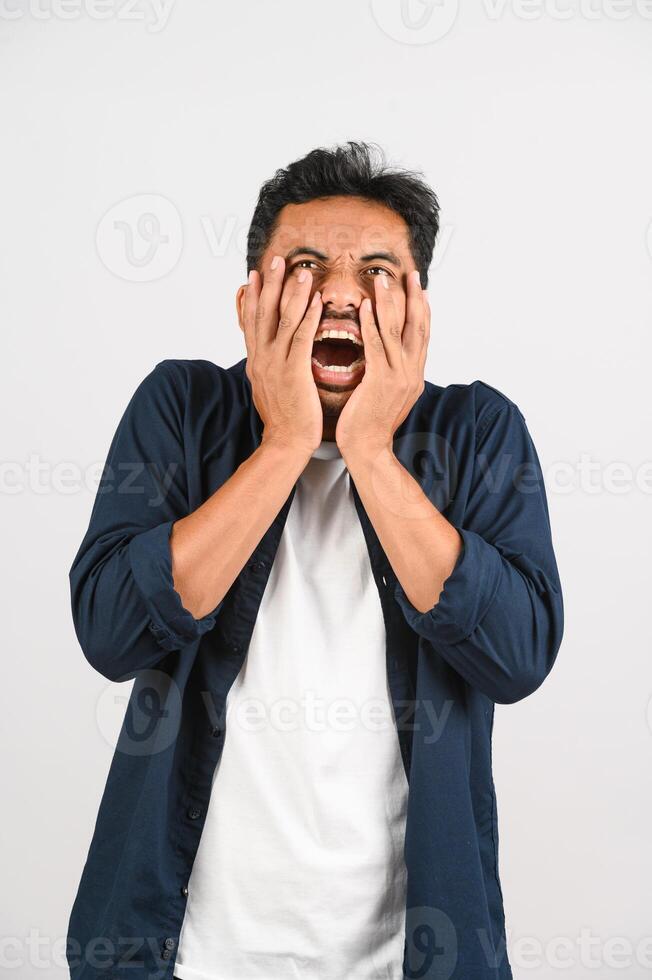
(210, 546)
(279, 329)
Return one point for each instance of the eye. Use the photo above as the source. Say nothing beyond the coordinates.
(304, 264)
(375, 269)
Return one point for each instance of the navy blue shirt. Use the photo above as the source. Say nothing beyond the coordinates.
(493, 636)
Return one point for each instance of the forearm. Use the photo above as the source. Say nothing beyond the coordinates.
(421, 545)
(210, 546)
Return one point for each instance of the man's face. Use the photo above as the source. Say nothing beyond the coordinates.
(345, 242)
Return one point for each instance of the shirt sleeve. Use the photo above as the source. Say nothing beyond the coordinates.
(499, 618)
(126, 611)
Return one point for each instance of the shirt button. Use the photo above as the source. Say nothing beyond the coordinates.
(166, 954)
(169, 944)
(216, 731)
(384, 580)
(184, 891)
(194, 812)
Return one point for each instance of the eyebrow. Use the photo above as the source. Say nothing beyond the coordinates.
(390, 257)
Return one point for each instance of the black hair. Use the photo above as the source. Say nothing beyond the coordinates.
(356, 169)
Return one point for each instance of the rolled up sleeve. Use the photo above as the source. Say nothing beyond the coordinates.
(499, 618)
(151, 563)
(126, 611)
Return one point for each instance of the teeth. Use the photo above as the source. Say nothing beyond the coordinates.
(338, 368)
(338, 335)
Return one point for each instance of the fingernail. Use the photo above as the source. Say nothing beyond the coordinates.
(250, 277)
(303, 275)
(416, 275)
(275, 262)
(315, 298)
(385, 281)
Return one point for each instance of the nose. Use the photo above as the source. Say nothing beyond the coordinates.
(341, 289)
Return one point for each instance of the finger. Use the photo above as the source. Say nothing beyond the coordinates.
(304, 336)
(294, 277)
(296, 295)
(388, 321)
(266, 318)
(415, 318)
(252, 291)
(426, 335)
(374, 349)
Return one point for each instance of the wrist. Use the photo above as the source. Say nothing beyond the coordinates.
(366, 454)
(286, 447)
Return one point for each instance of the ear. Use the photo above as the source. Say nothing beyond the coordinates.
(239, 305)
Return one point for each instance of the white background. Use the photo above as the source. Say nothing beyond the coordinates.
(532, 123)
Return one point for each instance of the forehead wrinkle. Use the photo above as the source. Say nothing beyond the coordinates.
(346, 256)
(343, 259)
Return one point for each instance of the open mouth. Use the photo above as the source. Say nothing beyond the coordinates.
(337, 352)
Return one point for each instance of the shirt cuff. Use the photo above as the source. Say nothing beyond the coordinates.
(466, 596)
(171, 624)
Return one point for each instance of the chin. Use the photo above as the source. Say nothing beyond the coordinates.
(333, 400)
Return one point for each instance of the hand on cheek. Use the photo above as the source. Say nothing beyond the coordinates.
(281, 321)
(395, 333)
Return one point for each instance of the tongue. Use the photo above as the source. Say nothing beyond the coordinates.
(332, 352)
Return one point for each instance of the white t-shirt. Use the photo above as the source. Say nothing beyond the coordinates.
(299, 874)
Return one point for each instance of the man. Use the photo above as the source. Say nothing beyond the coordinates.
(322, 572)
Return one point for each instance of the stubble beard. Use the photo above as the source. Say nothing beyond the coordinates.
(332, 401)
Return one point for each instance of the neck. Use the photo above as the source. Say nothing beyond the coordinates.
(330, 425)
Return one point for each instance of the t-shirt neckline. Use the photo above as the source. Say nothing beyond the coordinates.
(327, 449)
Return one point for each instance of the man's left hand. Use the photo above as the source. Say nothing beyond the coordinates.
(395, 356)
